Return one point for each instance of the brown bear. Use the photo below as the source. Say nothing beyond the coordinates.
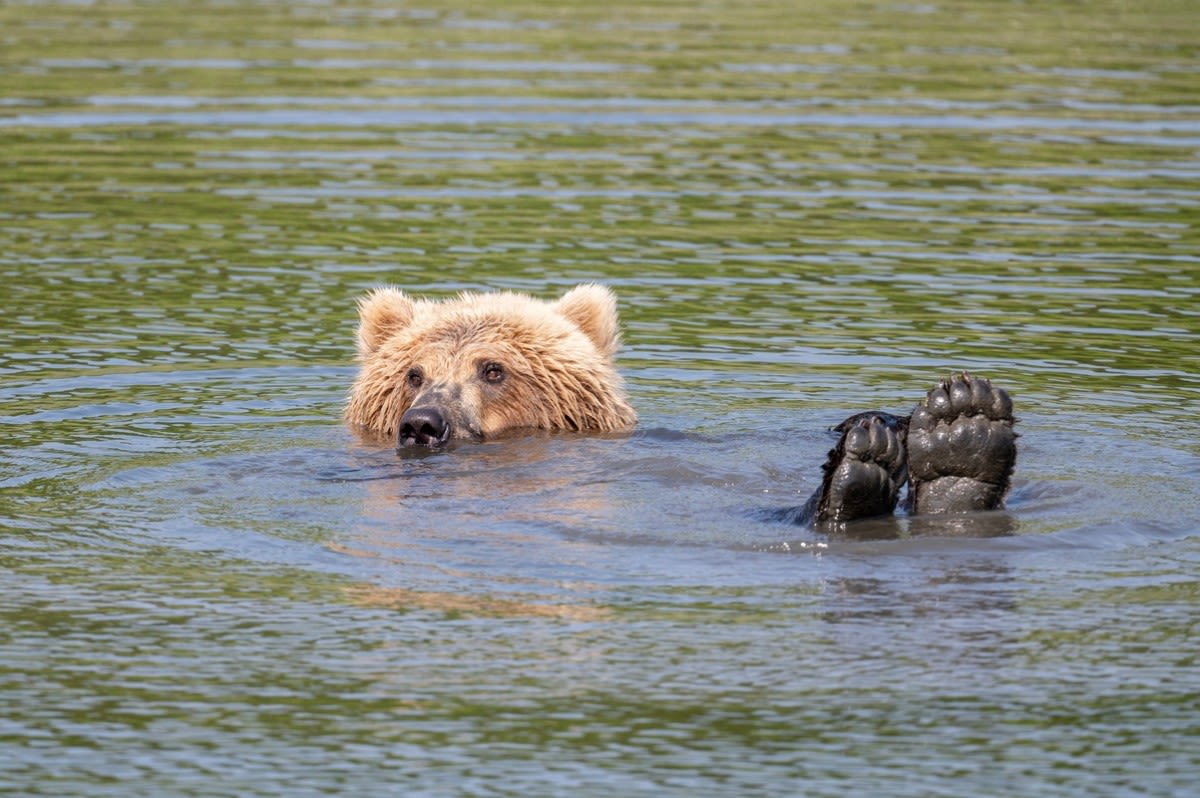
(481, 365)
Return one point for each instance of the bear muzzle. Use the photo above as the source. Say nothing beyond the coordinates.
(424, 426)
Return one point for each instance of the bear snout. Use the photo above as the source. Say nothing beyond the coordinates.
(424, 426)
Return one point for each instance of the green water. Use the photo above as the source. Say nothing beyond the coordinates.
(211, 587)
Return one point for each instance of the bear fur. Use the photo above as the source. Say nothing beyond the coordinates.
(481, 365)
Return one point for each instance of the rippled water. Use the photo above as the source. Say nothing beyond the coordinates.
(212, 587)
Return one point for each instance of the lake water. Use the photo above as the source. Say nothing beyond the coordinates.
(212, 587)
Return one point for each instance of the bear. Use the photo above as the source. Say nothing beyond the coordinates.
(480, 366)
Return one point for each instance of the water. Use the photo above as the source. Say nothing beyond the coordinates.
(212, 587)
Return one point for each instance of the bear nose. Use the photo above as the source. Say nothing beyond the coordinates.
(423, 426)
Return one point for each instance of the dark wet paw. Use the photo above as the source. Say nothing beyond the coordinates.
(865, 471)
(961, 447)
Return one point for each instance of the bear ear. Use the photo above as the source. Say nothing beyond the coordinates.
(594, 309)
(381, 314)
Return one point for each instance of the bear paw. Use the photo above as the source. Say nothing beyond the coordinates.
(961, 447)
(865, 471)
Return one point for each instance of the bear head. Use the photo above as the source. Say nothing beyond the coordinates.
(482, 365)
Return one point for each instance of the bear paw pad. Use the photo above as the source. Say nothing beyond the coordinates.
(865, 470)
(961, 447)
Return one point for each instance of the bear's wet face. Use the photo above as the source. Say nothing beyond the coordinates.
(482, 365)
(438, 413)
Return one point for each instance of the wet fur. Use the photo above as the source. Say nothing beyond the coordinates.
(557, 359)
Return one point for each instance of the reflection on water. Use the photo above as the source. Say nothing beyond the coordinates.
(213, 587)
(486, 113)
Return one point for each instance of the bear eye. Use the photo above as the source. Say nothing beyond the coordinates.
(492, 372)
(414, 378)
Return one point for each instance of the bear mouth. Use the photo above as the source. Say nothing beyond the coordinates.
(423, 438)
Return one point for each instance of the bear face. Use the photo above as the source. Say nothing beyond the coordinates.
(482, 365)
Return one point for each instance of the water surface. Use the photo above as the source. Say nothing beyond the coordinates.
(212, 587)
